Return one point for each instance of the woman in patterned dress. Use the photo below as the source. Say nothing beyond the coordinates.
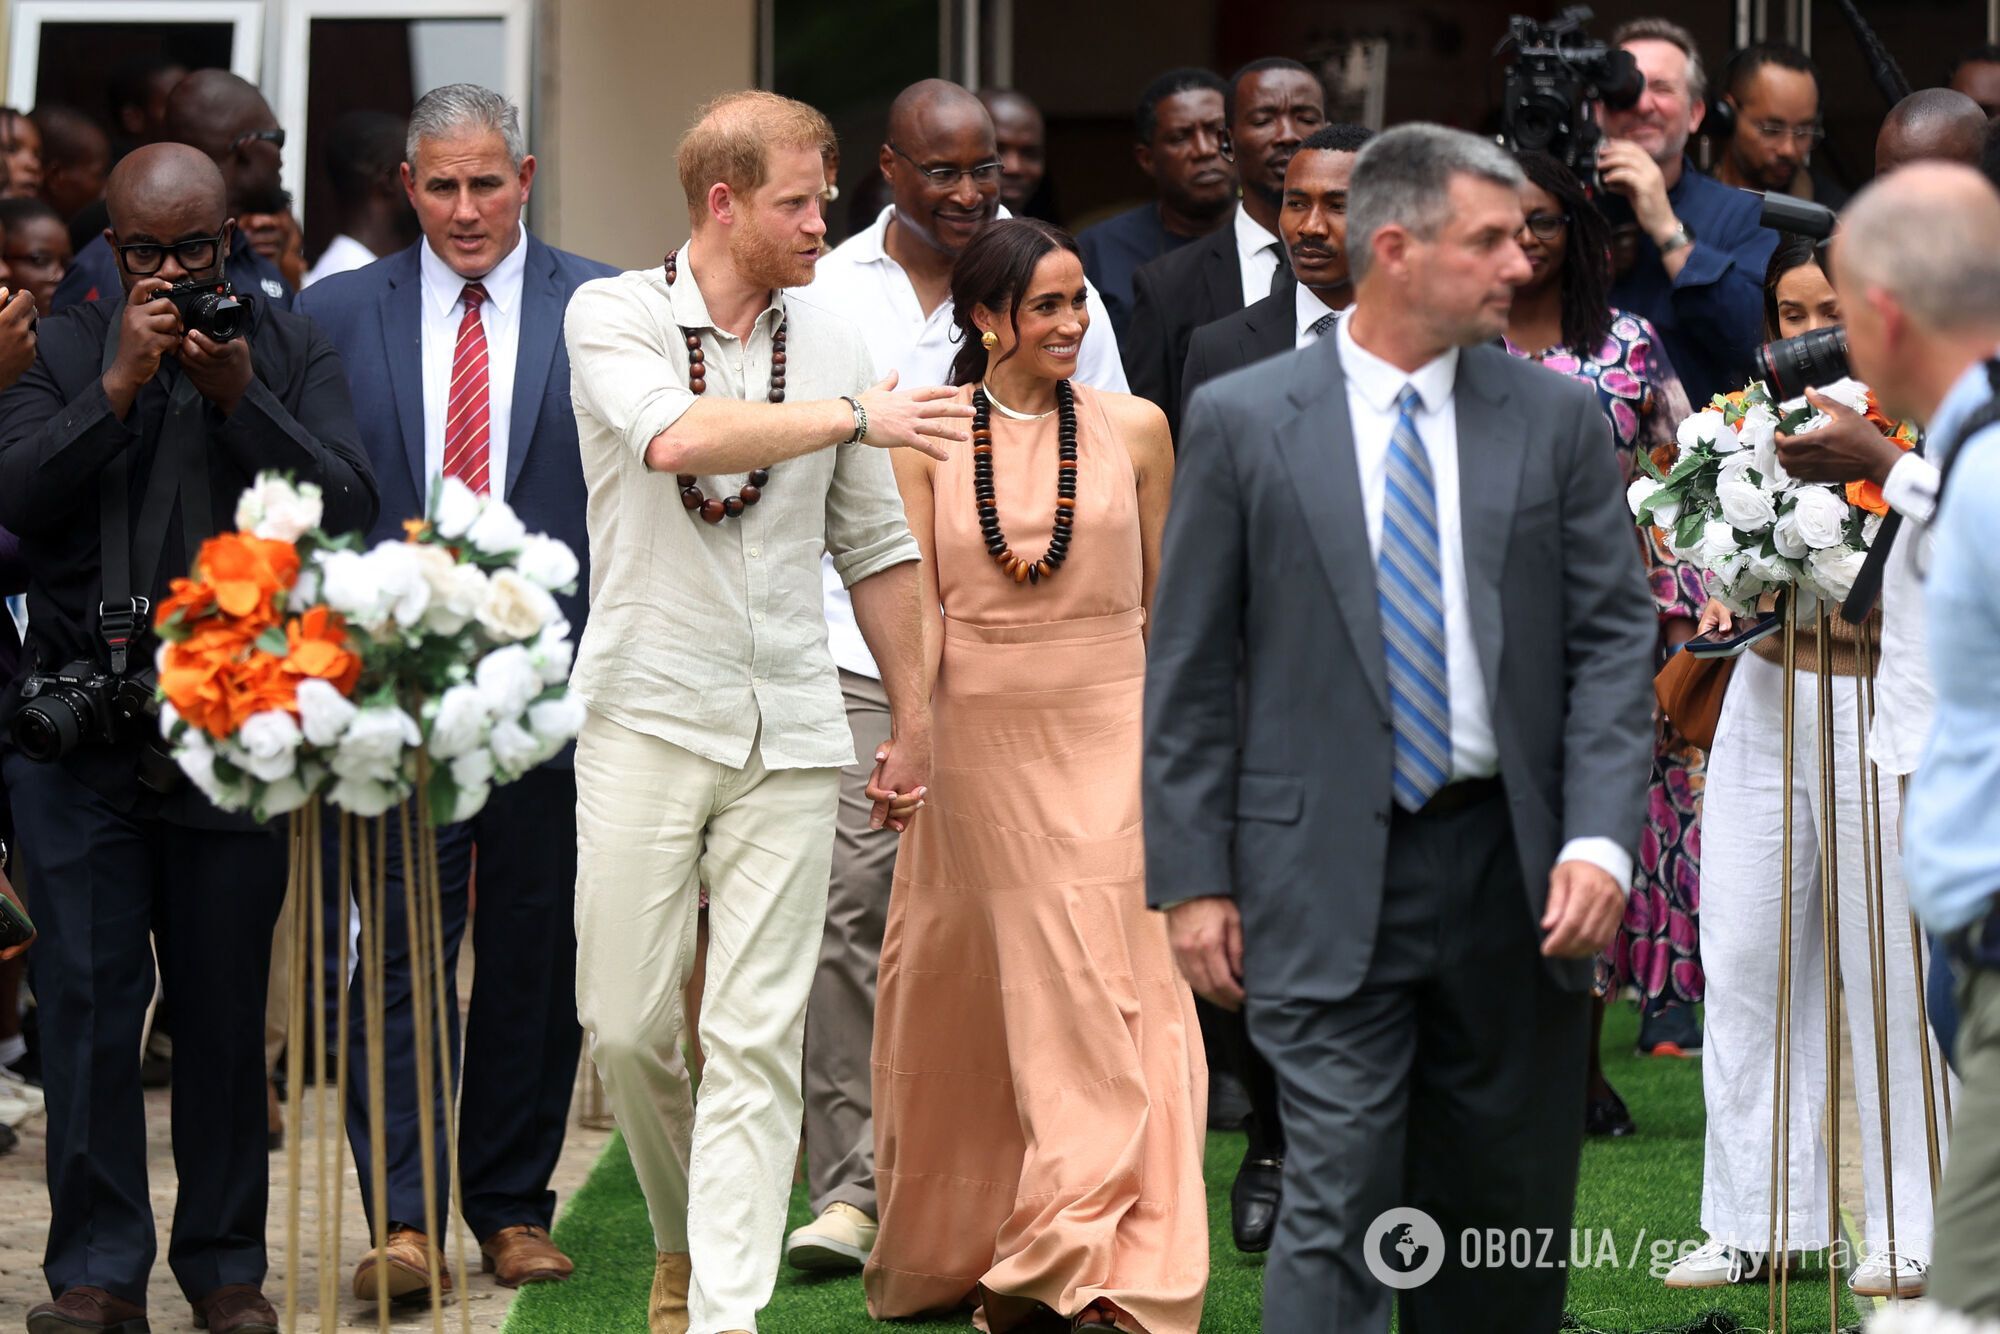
(1563, 318)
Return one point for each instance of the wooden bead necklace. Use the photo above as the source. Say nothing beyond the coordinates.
(1025, 571)
(715, 511)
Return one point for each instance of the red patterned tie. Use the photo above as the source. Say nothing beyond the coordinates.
(468, 419)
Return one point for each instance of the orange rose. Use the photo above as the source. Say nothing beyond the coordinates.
(318, 647)
(186, 600)
(247, 572)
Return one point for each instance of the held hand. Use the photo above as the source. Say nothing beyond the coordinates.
(1847, 449)
(916, 419)
(17, 335)
(221, 371)
(1629, 170)
(897, 787)
(1715, 617)
(1585, 907)
(150, 329)
(1207, 935)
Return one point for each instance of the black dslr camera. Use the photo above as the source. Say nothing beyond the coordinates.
(1556, 81)
(211, 306)
(83, 703)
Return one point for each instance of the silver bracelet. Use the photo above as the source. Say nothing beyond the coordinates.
(860, 420)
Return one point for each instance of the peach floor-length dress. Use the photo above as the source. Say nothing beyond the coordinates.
(1040, 1089)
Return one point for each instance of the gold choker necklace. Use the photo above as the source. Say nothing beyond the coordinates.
(1006, 411)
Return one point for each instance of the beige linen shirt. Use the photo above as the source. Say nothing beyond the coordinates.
(711, 636)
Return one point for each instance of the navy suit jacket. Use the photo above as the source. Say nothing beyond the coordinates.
(374, 317)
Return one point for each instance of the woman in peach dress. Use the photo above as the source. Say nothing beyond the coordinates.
(1039, 1081)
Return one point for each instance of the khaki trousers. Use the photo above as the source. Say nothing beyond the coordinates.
(840, 1018)
(1966, 1278)
(654, 823)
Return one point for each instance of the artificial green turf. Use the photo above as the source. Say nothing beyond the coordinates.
(1645, 1189)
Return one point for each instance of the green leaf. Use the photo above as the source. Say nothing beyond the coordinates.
(273, 642)
(1650, 468)
(1790, 423)
(1688, 531)
(443, 793)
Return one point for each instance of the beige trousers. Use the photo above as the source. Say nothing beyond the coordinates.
(654, 823)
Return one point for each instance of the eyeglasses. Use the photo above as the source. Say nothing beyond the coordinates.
(1546, 226)
(144, 258)
(275, 138)
(1800, 134)
(947, 178)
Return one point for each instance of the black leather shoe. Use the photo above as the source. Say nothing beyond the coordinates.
(1253, 1203)
(1608, 1118)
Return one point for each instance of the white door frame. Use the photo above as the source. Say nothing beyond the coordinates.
(24, 32)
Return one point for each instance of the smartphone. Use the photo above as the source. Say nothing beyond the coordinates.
(1729, 643)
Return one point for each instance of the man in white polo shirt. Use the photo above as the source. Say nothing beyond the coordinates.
(894, 282)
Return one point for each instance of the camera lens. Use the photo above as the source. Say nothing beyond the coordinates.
(1811, 359)
(222, 318)
(47, 728)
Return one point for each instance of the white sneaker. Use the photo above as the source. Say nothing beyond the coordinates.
(13, 1110)
(1871, 1277)
(840, 1238)
(1715, 1265)
(13, 1087)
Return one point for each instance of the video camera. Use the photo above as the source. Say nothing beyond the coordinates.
(1556, 81)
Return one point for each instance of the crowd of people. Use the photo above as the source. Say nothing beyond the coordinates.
(1049, 696)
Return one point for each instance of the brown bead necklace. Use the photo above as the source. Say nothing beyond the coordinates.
(1025, 571)
(715, 511)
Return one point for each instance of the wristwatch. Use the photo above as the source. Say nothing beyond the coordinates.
(1681, 236)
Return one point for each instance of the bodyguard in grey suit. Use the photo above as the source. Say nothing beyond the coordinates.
(1397, 718)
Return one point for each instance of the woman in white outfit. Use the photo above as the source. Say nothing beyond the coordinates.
(1741, 898)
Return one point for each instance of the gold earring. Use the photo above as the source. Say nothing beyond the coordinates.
(989, 340)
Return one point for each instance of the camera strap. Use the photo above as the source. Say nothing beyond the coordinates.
(1867, 589)
(180, 471)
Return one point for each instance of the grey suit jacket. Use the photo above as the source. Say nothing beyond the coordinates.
(1268, 742)
(1262, 329)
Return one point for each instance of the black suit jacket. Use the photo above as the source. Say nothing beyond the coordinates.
(1172, 297)
(1253, 333)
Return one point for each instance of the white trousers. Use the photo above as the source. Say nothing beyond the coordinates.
(1742, 853)
(654, 823)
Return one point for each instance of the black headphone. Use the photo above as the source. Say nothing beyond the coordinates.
(1720, 122)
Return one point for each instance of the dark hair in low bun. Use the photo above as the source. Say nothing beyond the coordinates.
(993, 271)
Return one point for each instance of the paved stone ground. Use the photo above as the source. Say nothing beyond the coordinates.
(24, 1218)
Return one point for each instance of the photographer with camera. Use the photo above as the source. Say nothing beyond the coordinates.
(122, 448)
(1698, 254)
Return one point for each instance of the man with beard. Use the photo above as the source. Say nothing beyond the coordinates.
(893, 281)
(1314, 223)
(711, 755)
(227, 118)
(1178, 144)
(1697, 252)
(1271, 106)
(1774, 91)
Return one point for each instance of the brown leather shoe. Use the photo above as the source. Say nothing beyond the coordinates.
(238, 1308)
(667, 1312)
(404, 1266)
(523, 1254)
(91, 1309)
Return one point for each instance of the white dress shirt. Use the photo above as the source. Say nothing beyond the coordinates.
(1373, 386)
(1258, 254)
(861, 283)
(1904, 697)
(343, 254)
(444, 306)
(1308, 310)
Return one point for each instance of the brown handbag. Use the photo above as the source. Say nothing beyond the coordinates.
(1690, 692)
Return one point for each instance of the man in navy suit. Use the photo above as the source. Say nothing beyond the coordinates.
(455, 352)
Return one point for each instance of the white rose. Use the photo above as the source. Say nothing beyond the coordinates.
(470, 801)
(457, 507)
(1834, 570)
(552, 653)
(1735, 583)
(305, 589)
(1745, 506)
(349, 587)
(170, 717)
(372, 746)
(515, 609)
(273, 508)
(515, 750)
(458, 722)
(1666, 514)
(1755, 431)
(548, 561)
(1718, 543)
(1772, 571)
(498, 530)
(1819, 516)
(270, 741)
(473, 769)
(197, 760)
(323, 713)
(1869, 527)
(1706, 428)
(506, 682)
(457, 590)
(399, 575)
(282, 797)
(1785, 536)
(1848, 392)
(555, 722)
(1641, 491)
(363, 796)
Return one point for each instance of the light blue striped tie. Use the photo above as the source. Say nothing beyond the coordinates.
(1409, 584)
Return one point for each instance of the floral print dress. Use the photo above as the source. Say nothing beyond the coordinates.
(1657, 949)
